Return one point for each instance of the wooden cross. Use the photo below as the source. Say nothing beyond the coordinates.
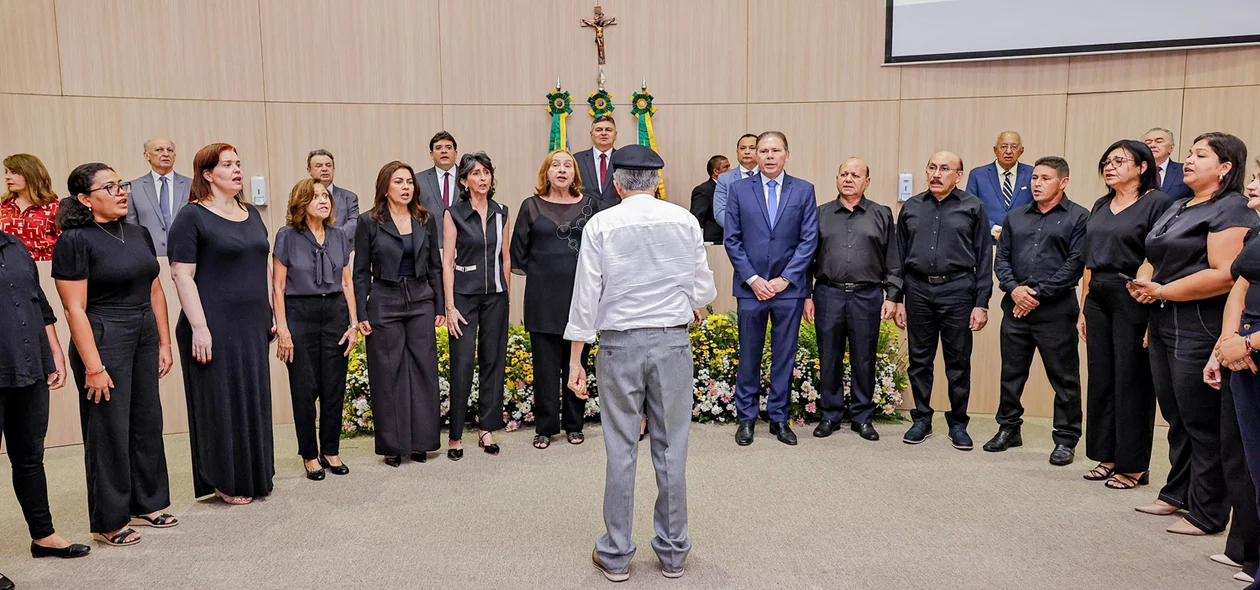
(598, 23)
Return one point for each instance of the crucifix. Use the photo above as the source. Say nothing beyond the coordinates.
(598, 23)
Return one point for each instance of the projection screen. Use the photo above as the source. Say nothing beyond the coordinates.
(958, 30)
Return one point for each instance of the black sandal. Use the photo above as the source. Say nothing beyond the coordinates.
(542, 441)
(1100, 472)
(162, 521)
(576, 438)
(1128, 482)
(119, 539)
(490, 449)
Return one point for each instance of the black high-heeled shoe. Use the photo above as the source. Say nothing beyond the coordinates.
(335, 469)
(393, 461)
(490, 449)
(317, 475)
(419, 456)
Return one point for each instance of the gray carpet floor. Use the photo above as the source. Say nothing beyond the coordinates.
(833, 513)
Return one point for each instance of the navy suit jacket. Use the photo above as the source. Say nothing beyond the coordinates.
(985, 183)
(785, 251)
(1174, 182)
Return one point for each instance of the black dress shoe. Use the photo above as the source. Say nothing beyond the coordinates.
(1004, 439)
(317, 475)
(1062, 455)
(825, 428)
(69, 552)
(455, 454)
(335, 469)
(866, 431)
(393, 461)
(6, 583)
(744, 435)
(783, 432)
(419, 456)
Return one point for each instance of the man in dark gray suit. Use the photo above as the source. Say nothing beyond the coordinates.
(438, 185)
(321, 166)
(595, 165)
(158, 196)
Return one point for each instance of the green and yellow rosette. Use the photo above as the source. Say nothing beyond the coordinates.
(601, 103)
(642, 109)
(559, 106)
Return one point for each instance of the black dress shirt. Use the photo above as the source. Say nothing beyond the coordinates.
(1042, 251)
(25, 355)
(858, 246)
(702, 208)
(941, 237)
(1247, 266)
(1116, 242)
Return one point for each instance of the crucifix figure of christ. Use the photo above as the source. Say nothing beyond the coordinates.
(598, 23)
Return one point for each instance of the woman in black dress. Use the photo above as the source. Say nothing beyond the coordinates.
(1191, 248)
(107, 275)
(477, 268)
(545, 245)
(218, 251)
(315, 327)
(1121, 414)
(398, 288)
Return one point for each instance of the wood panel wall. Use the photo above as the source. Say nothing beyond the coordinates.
(90, 80)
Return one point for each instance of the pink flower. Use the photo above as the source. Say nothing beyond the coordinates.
(811, 407)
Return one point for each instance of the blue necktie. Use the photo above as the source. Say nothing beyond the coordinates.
(164, 202)
(772, 201)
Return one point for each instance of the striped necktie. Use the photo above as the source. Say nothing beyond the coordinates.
(1008, 191)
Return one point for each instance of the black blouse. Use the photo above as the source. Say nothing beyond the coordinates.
(311, 268)
(544, 247)
(1247, 266)
(1116, 242)
(1177, 243)
(117, 260)
(478, 254)
(25, 354)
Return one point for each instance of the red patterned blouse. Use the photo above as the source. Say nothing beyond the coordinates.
(36, 227)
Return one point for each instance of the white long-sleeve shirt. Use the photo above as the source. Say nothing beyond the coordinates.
(642, 265)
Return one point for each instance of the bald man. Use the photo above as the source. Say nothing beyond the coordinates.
(158, 196)
(1004, 184)
(947, 275)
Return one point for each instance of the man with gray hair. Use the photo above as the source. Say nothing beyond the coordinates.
(1163, 145)
(321, 167)
(157, 196)
(642, 272)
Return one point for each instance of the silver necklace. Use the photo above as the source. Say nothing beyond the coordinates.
(121, 233)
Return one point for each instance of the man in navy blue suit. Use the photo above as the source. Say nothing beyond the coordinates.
(1171, 179)
(771, 233)
(1002, 185)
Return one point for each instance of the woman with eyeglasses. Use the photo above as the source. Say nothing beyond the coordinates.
(1191, 249)
(544, 248)
(1120, 421)
(107, 275)
(28, 207)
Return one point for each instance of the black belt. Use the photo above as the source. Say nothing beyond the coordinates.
(848, 287)
(940, 279)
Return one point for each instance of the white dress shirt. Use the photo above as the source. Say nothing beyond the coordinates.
(441, 177)
(597, 154)
(170, 190)
(745, 172)
(642, 265)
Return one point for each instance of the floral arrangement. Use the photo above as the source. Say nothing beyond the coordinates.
(715, 346)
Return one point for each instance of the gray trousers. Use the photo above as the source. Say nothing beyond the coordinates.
(645, 370)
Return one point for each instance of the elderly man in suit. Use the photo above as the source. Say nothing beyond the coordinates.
(439, 185)
(595, 165)
(746, 154)
(1003, 184)
(158, 196)
(1171, 176)
(321, 166)
(771, 234)
(702, 199)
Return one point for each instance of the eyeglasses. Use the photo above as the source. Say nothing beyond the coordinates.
(932, 169)
(1116, 162)
(114, 189)
(1006, 147)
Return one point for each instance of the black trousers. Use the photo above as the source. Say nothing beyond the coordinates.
(1051, 331)
(1245, 390)
(403, 368)
(318, 370)
(122, 437)
(1243, 543)
(1182, 336)
(555, 405)
(24, 423)
(1120, 421)
(940, 313)
(484, 341)
(847, 318)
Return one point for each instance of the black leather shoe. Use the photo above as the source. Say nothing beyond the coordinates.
(825, 428)
(419, 456)
(6, 583)
(335, 469)
(919, 432)
(866, 431)
(455, 454)
(1062, 455)
(744, 435)
(959, 438)
(1004, 439)
(68, 552)
(393, 461)
(784, 432)
(317, 475)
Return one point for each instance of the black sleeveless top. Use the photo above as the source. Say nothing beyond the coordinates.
(478, 254)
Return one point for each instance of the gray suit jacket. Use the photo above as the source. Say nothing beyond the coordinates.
(142, 208)
(347, 204)
(431, 196)
(606, 195)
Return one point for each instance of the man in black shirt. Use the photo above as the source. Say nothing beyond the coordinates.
(702, 199)
(943, 234)
(1039, 261)
(854, 266)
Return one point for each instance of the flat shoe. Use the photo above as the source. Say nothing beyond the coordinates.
(68, 552)
(1223, 559)
(1157, 509)
(1183, 527)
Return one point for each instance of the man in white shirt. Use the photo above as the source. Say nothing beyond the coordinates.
(595, 166)
(746, 152)
(642, 271)
(1171, 175)
(158, 196)
(321, 166)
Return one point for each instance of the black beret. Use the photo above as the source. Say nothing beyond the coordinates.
(637, 157)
